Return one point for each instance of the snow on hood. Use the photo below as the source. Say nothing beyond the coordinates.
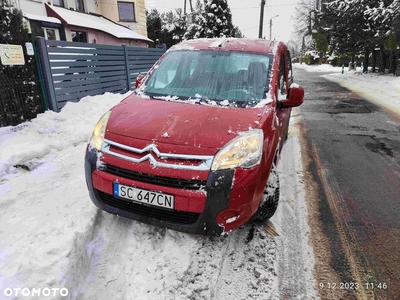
(180, 123)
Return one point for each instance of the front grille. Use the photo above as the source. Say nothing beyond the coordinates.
(187, 184)
(173, 216)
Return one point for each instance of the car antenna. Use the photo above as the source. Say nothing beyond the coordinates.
(222, 43)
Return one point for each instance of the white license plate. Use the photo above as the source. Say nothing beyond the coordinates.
(143, 196)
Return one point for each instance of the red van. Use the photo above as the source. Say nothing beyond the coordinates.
(195, 147)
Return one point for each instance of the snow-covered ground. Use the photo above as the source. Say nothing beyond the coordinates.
(54, 241)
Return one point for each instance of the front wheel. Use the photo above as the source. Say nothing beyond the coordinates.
(270, 199)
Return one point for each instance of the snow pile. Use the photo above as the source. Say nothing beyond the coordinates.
(25, 145)
(319, 68)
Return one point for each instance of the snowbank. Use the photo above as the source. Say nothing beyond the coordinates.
(25, 145)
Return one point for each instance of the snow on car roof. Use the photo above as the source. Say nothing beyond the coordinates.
(230, 44)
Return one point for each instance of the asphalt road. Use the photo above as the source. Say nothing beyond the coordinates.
(351, 150)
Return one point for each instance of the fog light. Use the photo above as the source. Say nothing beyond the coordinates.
(227, 216)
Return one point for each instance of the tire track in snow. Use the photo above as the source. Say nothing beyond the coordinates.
(295, 256)
(248, 269)
(79, 258)
(230, 268)
(125, 259)
(105, 269)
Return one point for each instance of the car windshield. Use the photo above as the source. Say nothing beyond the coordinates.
(222, 77)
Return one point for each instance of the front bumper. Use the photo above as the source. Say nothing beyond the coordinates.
(217, 194)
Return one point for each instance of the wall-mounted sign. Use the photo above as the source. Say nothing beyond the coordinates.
(11, 55)
(29, 49)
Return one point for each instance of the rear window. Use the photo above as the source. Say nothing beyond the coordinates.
(222, 77)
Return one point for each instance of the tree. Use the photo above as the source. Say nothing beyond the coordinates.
(364, 25)
(197, 23)
(154, 24)
(174, 26)
(19, 97)
(321, 43)
(348, 27)
(218, 19)
(167, 28)
(303, 20)
(209, 19)
(384, 17)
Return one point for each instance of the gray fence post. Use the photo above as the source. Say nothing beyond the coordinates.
(127, 70)
(46, 74)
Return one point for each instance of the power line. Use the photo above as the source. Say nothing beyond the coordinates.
(232, 8)
(269, 5)
(252, 7)
(266, 23)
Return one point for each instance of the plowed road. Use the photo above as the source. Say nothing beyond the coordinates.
(351, 149)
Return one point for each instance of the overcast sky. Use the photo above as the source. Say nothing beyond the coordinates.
(246, 15)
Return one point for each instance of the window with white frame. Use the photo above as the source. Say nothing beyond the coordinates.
(126, 11)
(51, 34)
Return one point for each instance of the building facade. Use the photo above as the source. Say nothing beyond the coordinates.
(109, 22)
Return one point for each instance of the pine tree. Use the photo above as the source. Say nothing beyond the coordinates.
(153, 21)
(197, 23)
(218, 19)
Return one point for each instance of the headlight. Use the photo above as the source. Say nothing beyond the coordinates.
(99, 131)
(244, 151)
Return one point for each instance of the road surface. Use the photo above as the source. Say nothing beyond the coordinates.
(351, 150)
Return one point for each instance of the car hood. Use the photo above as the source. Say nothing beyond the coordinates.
(181, 123)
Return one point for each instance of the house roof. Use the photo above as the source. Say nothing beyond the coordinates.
(70, 17)
(42, 18)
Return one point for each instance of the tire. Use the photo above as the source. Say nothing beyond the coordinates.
(270, 199)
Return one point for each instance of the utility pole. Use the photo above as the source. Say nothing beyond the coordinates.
(184, 6)
(270, 26)
(261, 19)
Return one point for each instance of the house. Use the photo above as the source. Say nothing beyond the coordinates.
(109, 22)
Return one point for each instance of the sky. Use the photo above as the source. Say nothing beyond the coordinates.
(246, 15)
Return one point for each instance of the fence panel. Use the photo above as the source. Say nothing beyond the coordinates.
(74, 70)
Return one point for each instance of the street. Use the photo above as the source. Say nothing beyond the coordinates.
(351, 156)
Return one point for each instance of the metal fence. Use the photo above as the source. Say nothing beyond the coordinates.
(20, 94)
(75, 70)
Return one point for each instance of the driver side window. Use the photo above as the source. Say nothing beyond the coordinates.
(282, 87)
(289, 64)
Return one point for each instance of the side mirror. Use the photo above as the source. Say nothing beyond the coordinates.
(139, 80)
(295, 97)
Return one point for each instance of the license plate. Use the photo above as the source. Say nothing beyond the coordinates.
(143, 196)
